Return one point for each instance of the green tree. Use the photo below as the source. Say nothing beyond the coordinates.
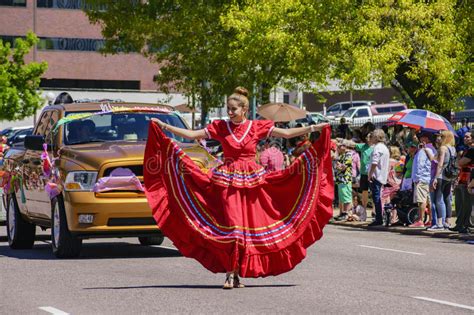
(19, 81)
(185, 38)
(206, 48)
(200, 52)
(423, 47)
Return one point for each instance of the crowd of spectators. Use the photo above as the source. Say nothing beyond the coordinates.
(435, 168)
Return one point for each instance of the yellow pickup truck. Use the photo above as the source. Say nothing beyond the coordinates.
(81, 172)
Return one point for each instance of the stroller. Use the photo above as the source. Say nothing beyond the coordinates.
(407, 210)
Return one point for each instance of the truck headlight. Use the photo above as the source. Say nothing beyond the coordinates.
(80, 181)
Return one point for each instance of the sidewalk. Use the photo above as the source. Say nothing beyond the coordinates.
(405, 230)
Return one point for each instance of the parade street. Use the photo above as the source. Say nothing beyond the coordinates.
(348, 271)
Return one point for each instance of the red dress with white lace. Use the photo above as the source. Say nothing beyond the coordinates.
(238, 216)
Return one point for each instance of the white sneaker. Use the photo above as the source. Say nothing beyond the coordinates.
(435, 228)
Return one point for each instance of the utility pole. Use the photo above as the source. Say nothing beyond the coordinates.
(254, 101)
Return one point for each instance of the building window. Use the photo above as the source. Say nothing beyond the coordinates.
(286, 98)
(63, 4)
(77, 44)
(13, 3)
(90, 84)
(60, 43)
(9, 39)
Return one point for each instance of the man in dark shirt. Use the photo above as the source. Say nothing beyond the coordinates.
(343, 129)
(464, 200)
(460, 146)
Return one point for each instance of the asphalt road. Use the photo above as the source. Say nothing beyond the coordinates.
(349, 271)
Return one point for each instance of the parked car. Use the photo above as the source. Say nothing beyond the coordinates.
(338, 109)
(10, 131)
(313, 117)
(18, 137)
(66, 195)
(378, 114)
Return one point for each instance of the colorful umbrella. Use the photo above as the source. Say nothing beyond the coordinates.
(421, 119)
(281, 112)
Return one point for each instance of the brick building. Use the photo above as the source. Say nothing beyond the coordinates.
(70, 44)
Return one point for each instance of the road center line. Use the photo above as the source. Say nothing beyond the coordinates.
(444, 302)
(392, 250)
(52, 310)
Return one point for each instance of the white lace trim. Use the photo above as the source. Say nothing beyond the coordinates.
(207, 133)
(245, 133)
(239, 123)
(270, 131)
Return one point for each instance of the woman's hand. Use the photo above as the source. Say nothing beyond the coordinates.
(159, 122)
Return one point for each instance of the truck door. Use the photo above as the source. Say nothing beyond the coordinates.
(33, 179)
(43, 202)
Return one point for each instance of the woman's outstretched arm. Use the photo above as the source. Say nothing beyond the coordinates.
(185, 133)
(295, 132)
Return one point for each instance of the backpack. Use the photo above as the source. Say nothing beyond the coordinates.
(451, 170)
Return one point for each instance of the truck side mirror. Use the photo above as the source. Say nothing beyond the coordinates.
(34, 142)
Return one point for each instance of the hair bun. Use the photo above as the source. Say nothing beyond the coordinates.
(242, 91)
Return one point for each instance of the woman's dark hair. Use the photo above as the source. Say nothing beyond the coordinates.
(358, 198)
(63, 98)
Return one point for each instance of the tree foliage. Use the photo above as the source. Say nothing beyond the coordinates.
(209, 47)
(194, 43)
(19, 81)
(424, 47)
(185, 37)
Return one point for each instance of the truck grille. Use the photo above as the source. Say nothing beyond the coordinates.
(136, 169)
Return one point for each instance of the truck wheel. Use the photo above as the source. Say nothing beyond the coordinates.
(20, 233)
(151, 240)
(63, 243)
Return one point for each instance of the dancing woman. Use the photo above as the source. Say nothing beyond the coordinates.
(238, 218)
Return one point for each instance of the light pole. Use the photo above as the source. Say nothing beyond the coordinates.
(254, 101)
(254, 93)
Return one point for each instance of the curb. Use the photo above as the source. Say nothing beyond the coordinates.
(406, 231)
(3, 238)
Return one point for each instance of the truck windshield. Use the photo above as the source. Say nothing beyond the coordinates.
(349, 112)
(128, 126)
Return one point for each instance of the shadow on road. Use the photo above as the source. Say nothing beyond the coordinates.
(93, 251)
(187, 286)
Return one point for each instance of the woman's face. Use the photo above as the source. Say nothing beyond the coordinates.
(369, 139)
(341, 149)
(235, 112)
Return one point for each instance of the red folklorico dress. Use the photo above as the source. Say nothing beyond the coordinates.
(238, 216)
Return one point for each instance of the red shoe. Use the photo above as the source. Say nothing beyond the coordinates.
(417, 224)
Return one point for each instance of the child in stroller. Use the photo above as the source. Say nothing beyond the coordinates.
(402, 204)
